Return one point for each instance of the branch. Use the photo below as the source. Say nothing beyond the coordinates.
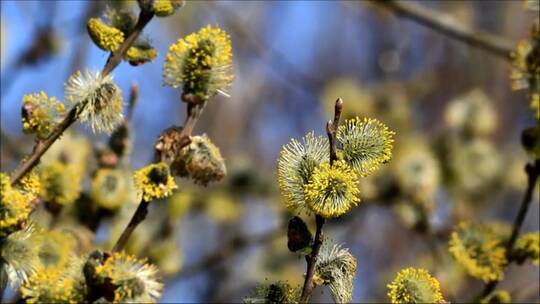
(533, 173)
(451, 27)
(115, 58)
(311, 260)
(138, 217)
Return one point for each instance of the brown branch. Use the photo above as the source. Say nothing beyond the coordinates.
(451, 27)
(311, 260)
(115, 58)
(42, 146)
(194, 110)
(533, 173)
(138, 217)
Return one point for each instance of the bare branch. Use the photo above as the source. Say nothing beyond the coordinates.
(451, 27)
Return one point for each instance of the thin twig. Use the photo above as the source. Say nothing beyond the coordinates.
(116, 57)
(138, 217)
(533, 172)
(451, 27)
(42, 146)
(311, 260)
(114, 60)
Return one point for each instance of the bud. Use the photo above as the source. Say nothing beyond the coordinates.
(200, 160)
(140, 53)
(298, 236)
(119, 142)
(336, 268)
(530, 139)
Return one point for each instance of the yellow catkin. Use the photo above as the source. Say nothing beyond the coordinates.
(154, 181)
(41, 113)
(15, 203)
(51, 286)
(366, 143)
(332, 190)
(61, 183)
(98, 98)
(525, 72)
(201, 160)
(138, 55)
(479, 248)
(105, 37)
(200, 62)
(110, 188)
(296, 163)
(413, 285)
(134, 279)
(528, 245)
(164, 8)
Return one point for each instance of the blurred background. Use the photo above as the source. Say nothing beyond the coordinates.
(457, 154)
